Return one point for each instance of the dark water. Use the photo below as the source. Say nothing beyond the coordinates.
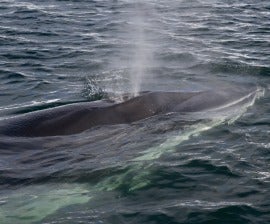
(165, 169)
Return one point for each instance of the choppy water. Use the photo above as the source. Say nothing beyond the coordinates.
(162, 170)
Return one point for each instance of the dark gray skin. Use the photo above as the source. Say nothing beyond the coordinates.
(75, 118)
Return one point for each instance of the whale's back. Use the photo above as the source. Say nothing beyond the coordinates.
(76, 118)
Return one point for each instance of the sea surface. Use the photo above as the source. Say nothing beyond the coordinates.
(166, 169)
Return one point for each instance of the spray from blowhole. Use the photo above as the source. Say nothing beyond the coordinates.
(141, 60)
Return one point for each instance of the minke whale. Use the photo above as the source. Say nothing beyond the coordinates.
(78, 117)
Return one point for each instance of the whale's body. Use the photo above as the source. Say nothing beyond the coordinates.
(75, 118)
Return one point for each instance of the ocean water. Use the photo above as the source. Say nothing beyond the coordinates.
(166, 169)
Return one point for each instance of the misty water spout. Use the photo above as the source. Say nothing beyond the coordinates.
(141, 54)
